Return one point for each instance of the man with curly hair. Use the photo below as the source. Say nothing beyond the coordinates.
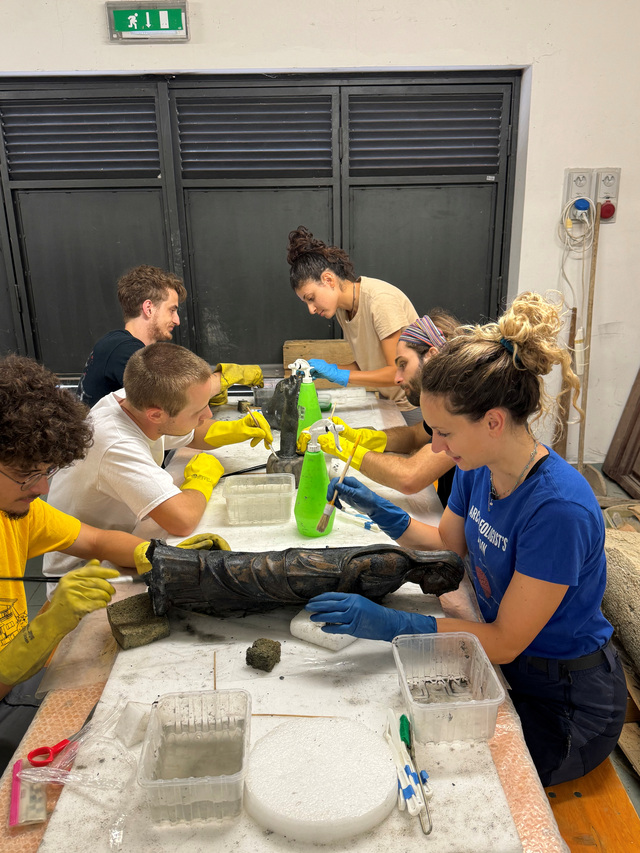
(149, 298)
(42, 428)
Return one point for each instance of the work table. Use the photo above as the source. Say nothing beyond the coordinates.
(358, 682)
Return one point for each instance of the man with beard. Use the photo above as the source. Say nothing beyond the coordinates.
(402, 457)
(42, 428)
(149, 298)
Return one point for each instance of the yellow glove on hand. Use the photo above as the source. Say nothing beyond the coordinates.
(236, 374)
(199, 542)
(201, 473)
(328, 444)
(79, 592)
(243, 429)
(370, 439)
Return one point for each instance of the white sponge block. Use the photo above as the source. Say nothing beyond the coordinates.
(132, 725)
(303, 628)
(320, 780)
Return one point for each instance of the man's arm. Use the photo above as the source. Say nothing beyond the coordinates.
(112, 545)
(406, 439)
(180, 514)
(407, 474)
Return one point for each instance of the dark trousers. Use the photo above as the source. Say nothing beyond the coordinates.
(571, 717)
(17, 710)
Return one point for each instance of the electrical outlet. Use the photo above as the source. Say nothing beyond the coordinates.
(606, 191)
(577, 184)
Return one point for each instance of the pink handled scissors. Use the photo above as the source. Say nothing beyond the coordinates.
(45, 754)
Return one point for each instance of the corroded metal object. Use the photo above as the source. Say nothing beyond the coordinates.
(226, 583)
(282, 414)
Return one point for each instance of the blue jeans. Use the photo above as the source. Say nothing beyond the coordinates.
(571, 717)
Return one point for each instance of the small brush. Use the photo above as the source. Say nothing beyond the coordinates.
(37, 579)
(257, 423)
(328, 510)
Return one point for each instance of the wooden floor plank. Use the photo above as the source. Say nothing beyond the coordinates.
(594, 813)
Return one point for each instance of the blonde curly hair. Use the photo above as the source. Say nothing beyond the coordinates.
(502, 364)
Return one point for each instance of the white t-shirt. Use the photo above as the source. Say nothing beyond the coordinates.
(118, 483)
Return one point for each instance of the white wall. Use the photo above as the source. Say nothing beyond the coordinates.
(579, 110)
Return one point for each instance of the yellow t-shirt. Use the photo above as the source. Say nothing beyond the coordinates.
(42, 529)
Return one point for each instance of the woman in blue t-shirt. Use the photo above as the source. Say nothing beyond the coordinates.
(532, 530)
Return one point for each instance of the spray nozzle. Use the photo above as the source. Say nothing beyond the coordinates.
(301, 367)
(323, 427)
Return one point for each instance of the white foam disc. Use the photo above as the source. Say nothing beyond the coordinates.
(320, 780)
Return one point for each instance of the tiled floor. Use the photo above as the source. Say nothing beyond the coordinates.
(36, 596)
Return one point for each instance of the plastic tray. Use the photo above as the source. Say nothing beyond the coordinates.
(450, 688)
(623, 514)
(194, 755)
(259, 498)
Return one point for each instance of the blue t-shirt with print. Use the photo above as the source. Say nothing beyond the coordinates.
(551, 528)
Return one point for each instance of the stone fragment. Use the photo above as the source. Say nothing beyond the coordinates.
(263, 654)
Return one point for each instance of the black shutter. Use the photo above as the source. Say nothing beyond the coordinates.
(83, 138)
(424, 134)
(257, 137)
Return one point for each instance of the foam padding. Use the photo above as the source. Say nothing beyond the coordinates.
(304, 629)
(320, 780)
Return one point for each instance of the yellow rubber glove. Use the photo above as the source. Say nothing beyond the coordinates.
(371, 439)
(201, 473)
(328, 444)
(199, 542)
(236, 374)
(79, 592)
(243, 429)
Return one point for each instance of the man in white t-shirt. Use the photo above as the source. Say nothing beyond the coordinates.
(164, 405)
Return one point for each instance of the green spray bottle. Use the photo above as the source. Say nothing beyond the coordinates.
(308, 405)
(314, 481)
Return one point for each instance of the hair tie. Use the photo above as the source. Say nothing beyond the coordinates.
(424, 332)
(508, 345)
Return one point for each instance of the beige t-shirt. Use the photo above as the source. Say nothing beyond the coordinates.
(382, 311)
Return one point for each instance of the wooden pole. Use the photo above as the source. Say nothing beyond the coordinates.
(587, 338)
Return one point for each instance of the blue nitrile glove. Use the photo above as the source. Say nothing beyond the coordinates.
(346, 613)
(390, 518)
(321, 369)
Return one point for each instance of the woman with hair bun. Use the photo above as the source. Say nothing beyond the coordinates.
(372, 314)
(532, 529)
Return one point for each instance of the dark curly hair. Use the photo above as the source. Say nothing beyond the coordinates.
(40, 423)
(309, 258)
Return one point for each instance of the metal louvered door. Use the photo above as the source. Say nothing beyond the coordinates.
(254, 164)
(425, 191)
(83, 174)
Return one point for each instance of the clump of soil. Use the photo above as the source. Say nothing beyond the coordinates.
(263, 654)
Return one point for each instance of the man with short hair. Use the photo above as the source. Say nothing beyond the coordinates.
(164, 405)
(149, 298)
(42, 428)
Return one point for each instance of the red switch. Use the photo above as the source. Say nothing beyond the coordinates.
(607, 210)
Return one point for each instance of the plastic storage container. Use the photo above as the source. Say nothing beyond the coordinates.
(450, 688)
(194, 755)
(259, 498)
(623, 517)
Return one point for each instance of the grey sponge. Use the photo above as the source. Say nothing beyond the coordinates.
(133, 622)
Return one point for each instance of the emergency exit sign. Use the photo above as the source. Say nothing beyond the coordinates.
(148, 21)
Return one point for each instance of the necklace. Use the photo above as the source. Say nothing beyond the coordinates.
(493, 492)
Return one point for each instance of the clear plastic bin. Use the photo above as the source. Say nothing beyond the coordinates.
(450, 688)
(259, 498)
(194, 755)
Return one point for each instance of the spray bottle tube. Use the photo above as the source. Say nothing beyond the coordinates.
(314, 481)
(308, 406)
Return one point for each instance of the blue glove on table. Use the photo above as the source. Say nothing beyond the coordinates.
(321, 369)
(346, 613)
(389, 517)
